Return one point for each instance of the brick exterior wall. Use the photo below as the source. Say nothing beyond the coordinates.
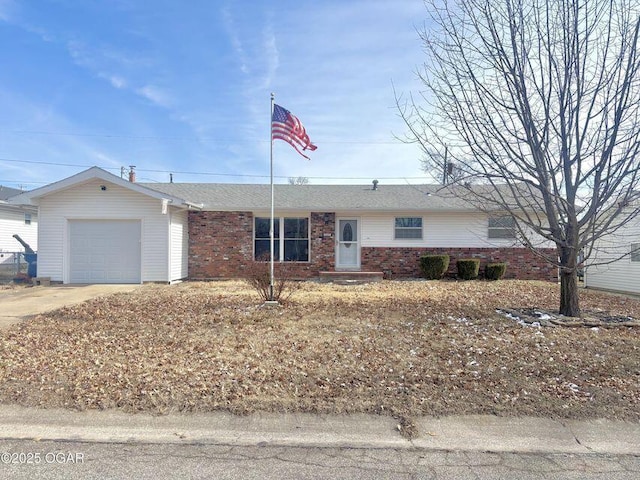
(221, 246)
(404, 262)
(323, 251)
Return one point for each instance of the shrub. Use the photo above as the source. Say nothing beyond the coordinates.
(468, 268)
(258, 276)
(495, 271)
(434, 267)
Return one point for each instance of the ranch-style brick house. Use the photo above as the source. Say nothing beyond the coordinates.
(95, 227)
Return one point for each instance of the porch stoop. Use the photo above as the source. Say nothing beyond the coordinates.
(347, 278)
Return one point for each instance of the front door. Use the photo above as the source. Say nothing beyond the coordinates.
(348, 247)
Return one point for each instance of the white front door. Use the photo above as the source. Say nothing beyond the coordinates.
(348, 247)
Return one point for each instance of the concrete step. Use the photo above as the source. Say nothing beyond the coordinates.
(350, 278)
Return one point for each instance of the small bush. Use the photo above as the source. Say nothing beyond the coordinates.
(258, 276)
(468, 268)
(434, 267)
(495, 271)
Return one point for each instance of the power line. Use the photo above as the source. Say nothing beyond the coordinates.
(212, 174)
(167, 137)
(22, 182)
(55, 164)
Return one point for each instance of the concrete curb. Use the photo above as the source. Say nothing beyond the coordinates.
(462, 433)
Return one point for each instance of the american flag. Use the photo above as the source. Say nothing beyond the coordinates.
(286, 126)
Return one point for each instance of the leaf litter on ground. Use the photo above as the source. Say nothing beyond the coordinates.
(399, 348)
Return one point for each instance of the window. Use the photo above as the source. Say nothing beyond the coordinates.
(502, 227)
(294, 232)
(27, 219)
(635, 252)
(296, 240)
(408, 227)
(262, 247)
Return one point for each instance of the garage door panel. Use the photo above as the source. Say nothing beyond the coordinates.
(105, 251)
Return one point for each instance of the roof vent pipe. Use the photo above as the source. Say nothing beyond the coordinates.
(375, 184)
(132, 173)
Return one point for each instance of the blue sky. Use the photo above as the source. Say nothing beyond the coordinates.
(173, 86)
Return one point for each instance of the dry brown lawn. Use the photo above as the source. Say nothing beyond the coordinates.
(400, 348)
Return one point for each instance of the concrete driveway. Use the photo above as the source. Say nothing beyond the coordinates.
(15, 305)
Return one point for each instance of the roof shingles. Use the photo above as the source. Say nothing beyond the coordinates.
(329, 198)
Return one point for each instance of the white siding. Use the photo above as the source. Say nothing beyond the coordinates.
(89, 201)
(456, 230)
(622, 274)
(12, 222)
(179, 239)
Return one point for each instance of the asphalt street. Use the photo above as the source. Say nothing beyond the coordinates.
(60, 444)
(80, 460)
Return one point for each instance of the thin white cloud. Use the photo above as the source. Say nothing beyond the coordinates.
(156, 95)
(7, 8)
(10, 13)
(65, 149)
(78, 53)
(98, 62)
(331, 64)
(93, 60)
(117, 82)
(271, 53)
(231, 30)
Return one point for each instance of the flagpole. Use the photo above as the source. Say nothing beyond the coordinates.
(271, 233)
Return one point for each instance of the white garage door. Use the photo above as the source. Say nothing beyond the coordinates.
(105, 251)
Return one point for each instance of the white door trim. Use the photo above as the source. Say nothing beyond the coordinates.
(339, 265)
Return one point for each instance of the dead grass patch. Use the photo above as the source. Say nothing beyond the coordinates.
(401, 348)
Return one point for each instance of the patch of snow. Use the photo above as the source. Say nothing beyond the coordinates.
(509, 315)
(459, 320)
(573, 387)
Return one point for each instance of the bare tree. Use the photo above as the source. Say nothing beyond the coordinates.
(539, 100)
(298, 180)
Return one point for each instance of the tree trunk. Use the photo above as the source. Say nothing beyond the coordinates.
(569, 298)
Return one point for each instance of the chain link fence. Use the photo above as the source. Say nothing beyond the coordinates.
(12, 266)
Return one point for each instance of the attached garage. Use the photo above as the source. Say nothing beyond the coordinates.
(105, 251)
(95, 227)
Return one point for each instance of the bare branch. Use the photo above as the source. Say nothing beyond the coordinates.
(540, 101)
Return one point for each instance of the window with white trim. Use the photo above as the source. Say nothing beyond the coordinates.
(261, 238)
(503, 227)
(635, 252)
(408, 228)
(294, 232)
(27, 219)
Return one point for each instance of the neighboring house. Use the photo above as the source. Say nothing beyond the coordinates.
(618, 256)
(16, 219)
(96, 227)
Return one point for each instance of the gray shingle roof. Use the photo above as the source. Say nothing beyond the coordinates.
(318, 198)
(6, 192)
